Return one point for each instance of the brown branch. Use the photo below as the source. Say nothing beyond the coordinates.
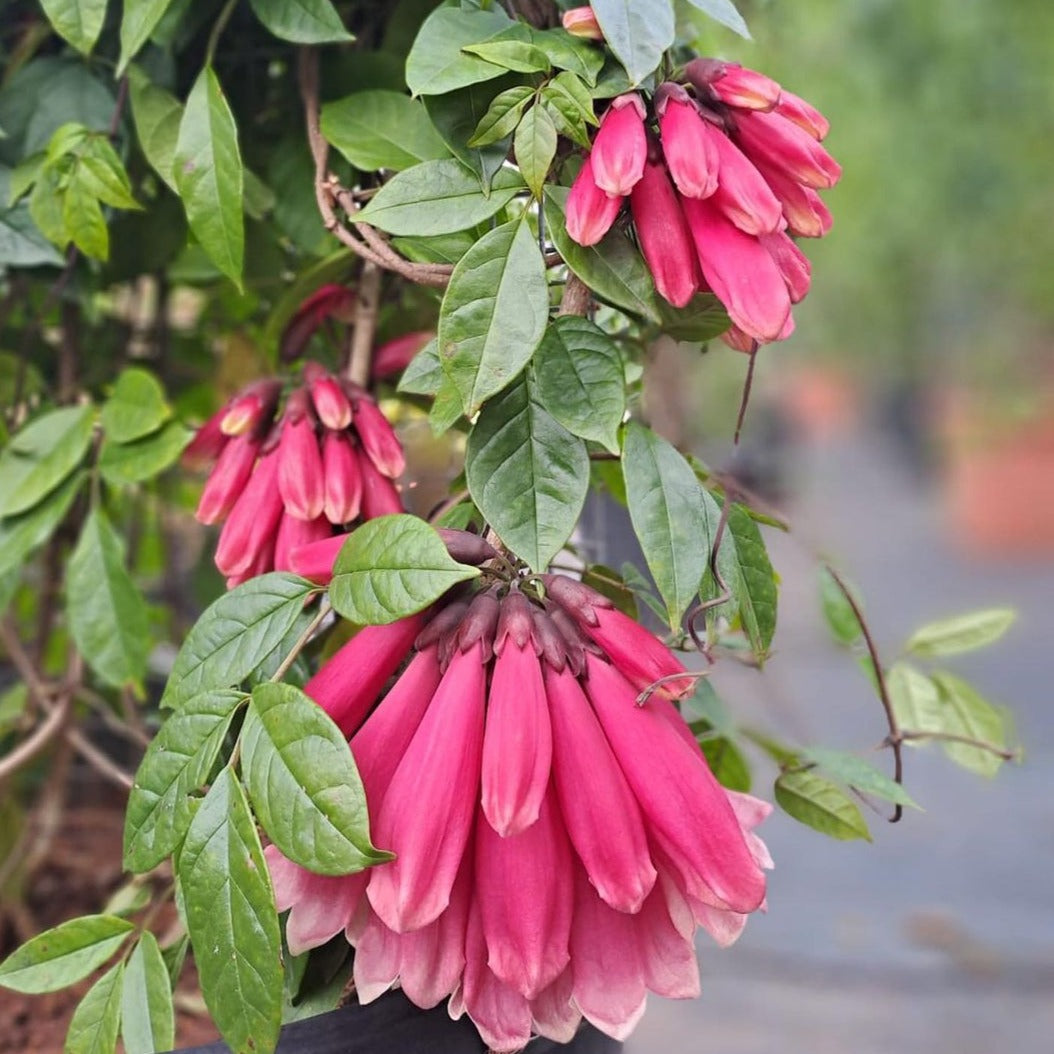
(896, 737)
(33, 744)
(577, 297)
(367, 303)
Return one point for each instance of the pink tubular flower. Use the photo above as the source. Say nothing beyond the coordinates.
(582, 22)
(228, 479)
(251, 408)
(805, 116)
(294, 534)
(806, 214)
(395, 356)
(586, 901)
(783, 145)
(300, 478)
(328, 301)
(590, 210)
(378, 438)
(379, 496)
(792, 263)
(621, 145)
(664, 237)
(733, 84)
(314, 560)
(208, 443)
(742, 194)
(688, 145)
(250, 530)
(342, 478)
(740, 271)
(330, 402)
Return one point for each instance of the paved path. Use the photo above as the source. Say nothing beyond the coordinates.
(940, 935)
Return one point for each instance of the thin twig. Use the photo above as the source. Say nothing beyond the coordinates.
(896, 737)
(302, 640)
(577, 297)
(953, 737)
(706, 648)
(747, 385)
(367, 303)
(42, 735)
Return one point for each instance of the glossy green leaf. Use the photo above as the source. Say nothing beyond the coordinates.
(725, 12)
(837, 611)
(613, 268)
(41, 455)
(382, 129)
(302, 21)
(176, 765)
(535, 147)
(580, 379)
(670, 516)
(446, 409)
(436, 63)
(122, 464)
(854, 772)
(516, 55)
(63, 955)
(147, 1015)
(424, 373)
(391, 567)
(97, 1019)
(527, 474)
(502, 116)
(493, 313)
(83, 219)
(438, 197)
(138, 21)
(304, 784)
(136, 406)
(157, 116)
(78, 21)
(637, 32)
(443, 248)
(820, 804)
(207, 169)
(102, 173)
(235, 634)
(21, 534)
(964, 712)
(232, 919)
(107, 613)
(962, 633)
(568, 102)
(566, 52)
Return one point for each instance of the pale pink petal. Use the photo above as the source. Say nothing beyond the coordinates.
(590, 210)
(553, 1012)
(287, 878)
(779, 142)
(377, 956)
(667, 956)
(325, 905)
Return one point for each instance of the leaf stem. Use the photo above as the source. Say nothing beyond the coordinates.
(217, 30)
(298, 647)
(954, 737)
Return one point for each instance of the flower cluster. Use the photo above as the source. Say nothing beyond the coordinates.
(283, 481)
(717, 194)
(574, 836)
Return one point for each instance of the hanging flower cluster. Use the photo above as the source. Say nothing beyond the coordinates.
(279, 483)
(717, 194)
(574, 837)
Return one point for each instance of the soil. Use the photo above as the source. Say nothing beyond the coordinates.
(77, 876)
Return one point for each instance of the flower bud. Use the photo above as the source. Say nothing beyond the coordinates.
(791, 261)
(805, 116)
(342, 478)
(590, 210)
(621, 145)
(207, 444)
(228, 479)
(393, 357)
(327, 301)
(733, 84)
(687, 142)
(778, 142)
(379, 496)
(582, 22)
(466, 547)
(331, 404)
(252, 409)
(378, 438)
(301, 481)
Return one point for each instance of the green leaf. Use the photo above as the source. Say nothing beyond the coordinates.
(78, 21)
(63, 955)
(175, 954)
(22, 242)
(66, 139)
(820, 804)
(438, 197)
(638, 33)
(723, 11)
(566, 113)
(21, 178)
(138, 22)
(147, 1016)
(235, 634)
(107, 613)
(122, 464)
(207, 169)
(157, 115)
(83, 219)
(754, 587)
(100, 170)
(382, 129)
(302, 21)
(502, 116)
(391, 567)
(436, 63)
(613, 268)
(916, 700)
(966, 713)
(21, 534)
(13, 703)
(535, 147)
(136, 406)
(97, 1019)
(493, 313)
(457, 114)
(858, 774)
(515, 55)
(41, 455)
(424, 373)
(232, 919)
(527, 474)
(962, 633)
(304, 784)
(701, 319)
(176, 765)
(47, 207)
(567, 52)
(446, 409)
(670, 517)
(837, 611)
(580, 379)
(727, 763)
(444, 248)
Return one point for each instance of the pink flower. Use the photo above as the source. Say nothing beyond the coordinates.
(740, 271)
(248, 535)
(330, 402)
(791, 261)
(688, 144)
(664, 237)
(805, 116)
(780, 143)
(582, 22)
(314, 560)
(251, 409)
(300, 477)
(733, 84)
(294, 534)
(742, 194)
(328, 301)
(342, 478)
(621, 146)
(228, 479)
(393, 357)
(378, 438)
(806, 214)
(590, 210)
(379, 496)
(208, 443)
